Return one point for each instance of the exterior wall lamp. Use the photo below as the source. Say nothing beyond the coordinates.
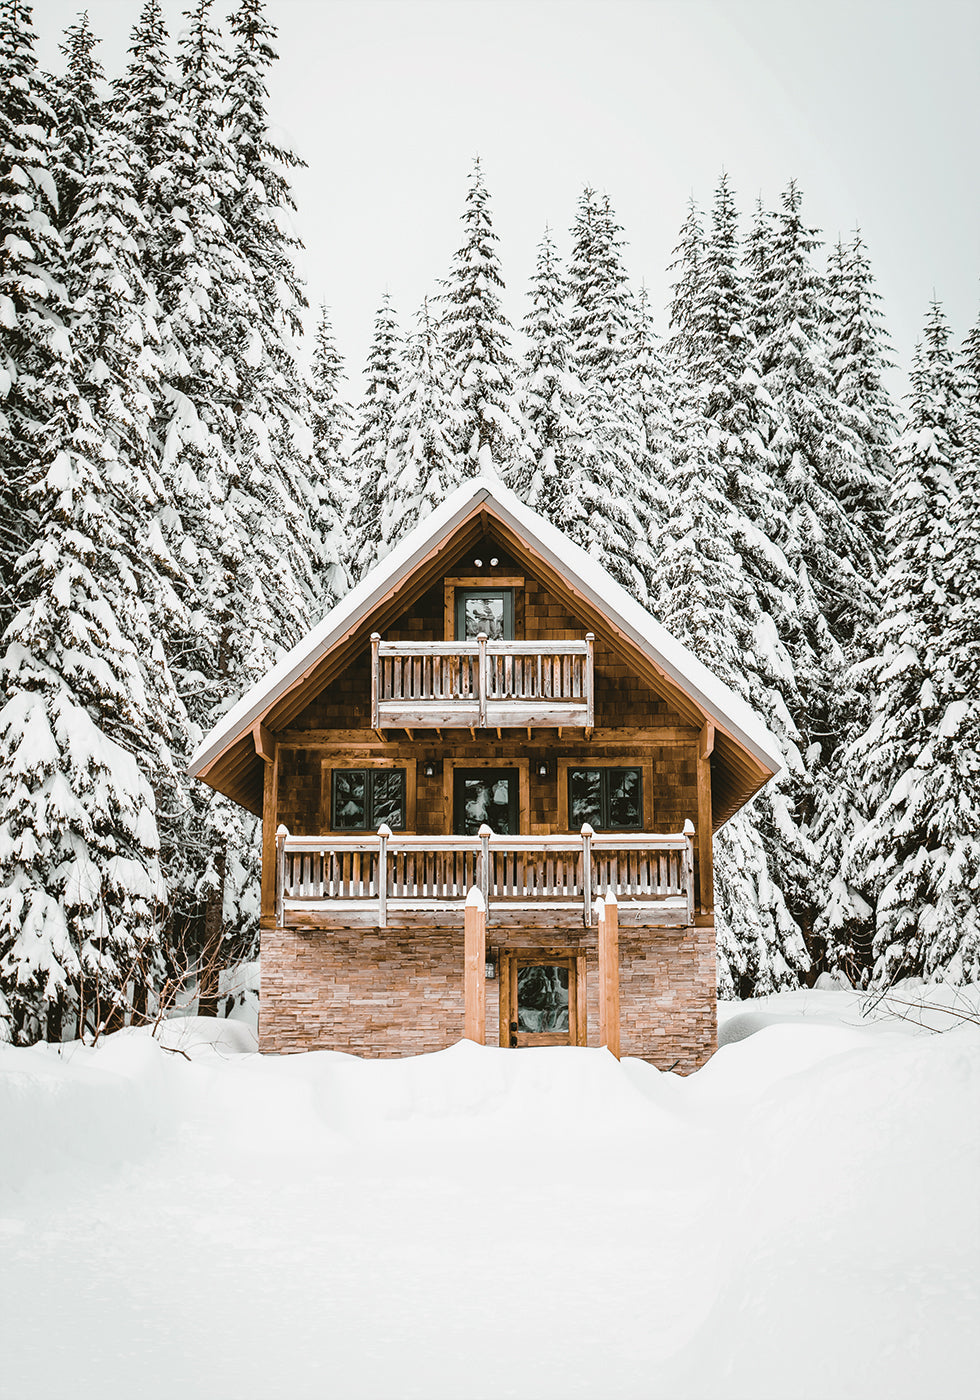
(490, 966)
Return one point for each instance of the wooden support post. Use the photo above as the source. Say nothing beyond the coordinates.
(281, 833)
(482, 640)
(375, 679)
(474, 965)
(607, 911)
(705, 848)
(384, 833)
(589, 684)
(587, 835)
(270, 804)
(689, 870)
(484, 834)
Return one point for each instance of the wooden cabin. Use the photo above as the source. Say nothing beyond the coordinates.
(488, 782)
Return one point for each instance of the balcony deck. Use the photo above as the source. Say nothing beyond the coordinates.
(482, 684)
(387, 880)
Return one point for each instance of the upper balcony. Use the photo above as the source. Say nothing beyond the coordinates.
(483, 684)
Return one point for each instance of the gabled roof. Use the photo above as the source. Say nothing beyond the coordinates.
(227, 757)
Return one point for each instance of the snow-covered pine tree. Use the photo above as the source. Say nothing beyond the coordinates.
(145, 106)
(476, 336)
(602, 328)
(547, 474)
(373, 436)
(422, 464)
(763, 858)
(32, 296)
(707, 600)
(331, 422)
(917, 862)
(652, 396)
(80, 115)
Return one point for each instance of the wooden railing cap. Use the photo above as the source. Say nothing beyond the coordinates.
(282, 830)
(587, 830)
(688, 827)
(475, 900)
(384, 830)
(485, 830)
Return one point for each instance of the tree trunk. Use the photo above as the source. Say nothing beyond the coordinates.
(210, 968)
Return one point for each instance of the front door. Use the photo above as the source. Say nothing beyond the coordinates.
(490, 795)
(542, 999)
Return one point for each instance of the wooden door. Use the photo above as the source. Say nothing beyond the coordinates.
(542, 999)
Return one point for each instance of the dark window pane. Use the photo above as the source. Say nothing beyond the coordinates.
(487, 800)
(625, 797)
(349, 799)
(542, 999)
(484, 614)
(389, 799)
(584, 797)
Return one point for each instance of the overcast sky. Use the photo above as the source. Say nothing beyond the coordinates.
(874, 107)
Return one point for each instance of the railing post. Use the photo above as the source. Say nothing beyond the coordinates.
(589, 682)
(474, 967)
(281, 833)
(689, 870)
(482, 640)
(384, 832)
(608, 911)
(485, 833)
(375, 679)
(587, 835)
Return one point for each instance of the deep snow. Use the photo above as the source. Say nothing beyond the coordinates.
(799, 1219)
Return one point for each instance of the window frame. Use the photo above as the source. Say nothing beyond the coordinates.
(475, 583)
(604, 769)
(370, 767)
(463, 594)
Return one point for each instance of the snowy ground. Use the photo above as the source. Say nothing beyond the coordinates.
(799, 1219)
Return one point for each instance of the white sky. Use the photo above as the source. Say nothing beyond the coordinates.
(872, 105)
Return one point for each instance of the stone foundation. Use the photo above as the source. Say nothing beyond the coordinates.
(383, 993)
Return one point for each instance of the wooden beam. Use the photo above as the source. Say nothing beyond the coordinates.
(474, 968)
(706, 878)
(265, 742)
(270, 802)
(608, 918)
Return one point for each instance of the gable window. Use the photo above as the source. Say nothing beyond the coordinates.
(609, 799)
(489, 610)
(363, 798)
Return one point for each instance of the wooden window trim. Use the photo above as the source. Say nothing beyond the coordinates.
(645, 766)
(523, 766)
(468, 581)
(335, 762)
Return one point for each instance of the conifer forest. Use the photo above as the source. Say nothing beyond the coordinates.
(185, 489)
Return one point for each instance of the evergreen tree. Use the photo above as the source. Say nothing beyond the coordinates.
(652, 395)
(476, 335)
(145, 107)
(422, 465)
(331, 422)
(369, 455)
(917, 861)
(32, 295)
(79, 115)
(548, 473)
(611, 525)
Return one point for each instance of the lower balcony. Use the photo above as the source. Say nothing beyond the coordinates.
(385, 879)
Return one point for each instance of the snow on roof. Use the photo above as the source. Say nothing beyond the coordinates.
(581, 571)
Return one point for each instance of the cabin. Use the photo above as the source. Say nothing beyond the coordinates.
(488, 782)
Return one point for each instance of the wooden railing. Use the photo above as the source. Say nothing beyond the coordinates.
(482, 684)
(424, 871)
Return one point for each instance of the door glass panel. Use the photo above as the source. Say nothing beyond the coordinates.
(542, 999)
(489, 798)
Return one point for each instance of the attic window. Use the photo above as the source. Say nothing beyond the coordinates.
(489, 610)
(363, 798)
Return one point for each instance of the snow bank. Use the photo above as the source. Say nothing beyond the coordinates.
(799, 1220)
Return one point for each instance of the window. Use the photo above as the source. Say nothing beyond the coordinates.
(489, 610)
(609, 799)
(488, 795)
(363, 798)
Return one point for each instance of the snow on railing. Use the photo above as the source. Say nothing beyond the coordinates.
(642, 867)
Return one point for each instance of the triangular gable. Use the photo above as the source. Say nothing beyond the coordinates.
(750, 750)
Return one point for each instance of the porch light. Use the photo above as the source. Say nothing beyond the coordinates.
(489, 967)
(478, 563)
(430, 769)
(494, 563)
(544, 768)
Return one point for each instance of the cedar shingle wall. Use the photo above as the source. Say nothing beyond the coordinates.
(387, 993)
